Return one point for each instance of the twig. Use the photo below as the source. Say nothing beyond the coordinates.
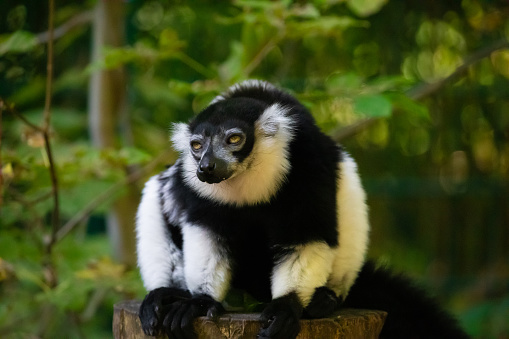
(263, 52)
(16, 196)
(351, 130)
(102, 198)
(93, 303)
(421, 91)
(11, 109)
(60, 31)
(1, 165)
(186, 59)
(49, 69)
(46, 128)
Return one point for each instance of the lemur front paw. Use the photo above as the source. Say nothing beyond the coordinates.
(323, 303)
(178, 322)
(280, 319)
(156, 305)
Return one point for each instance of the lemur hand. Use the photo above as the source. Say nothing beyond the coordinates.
(280, 319)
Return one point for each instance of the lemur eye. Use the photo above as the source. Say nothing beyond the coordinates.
(196, 145)
(234, 139)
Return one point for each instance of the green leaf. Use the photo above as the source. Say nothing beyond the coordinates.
(133, 155)
(375, 105)
(403, 102)
(344, 81)
(364, 8)
(18, 42)
(231, 69)
(169, 41)
(324, 25)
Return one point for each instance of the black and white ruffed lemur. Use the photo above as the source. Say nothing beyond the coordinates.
(261, 200)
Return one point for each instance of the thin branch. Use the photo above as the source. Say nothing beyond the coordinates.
(353, 129)
(49, 69)
(50, 271)
(28, 204)
(11, 109)
(46, 127)
(423, 90)
(60, 31)
(264, 51)
(186, 59)
(106, 195)
(1, 165)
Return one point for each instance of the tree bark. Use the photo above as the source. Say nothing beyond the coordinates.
(107, 95)
(346, 323)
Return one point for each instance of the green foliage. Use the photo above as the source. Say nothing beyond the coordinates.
(373, 105)
(88, 280)
(18, 42)
(424, 163)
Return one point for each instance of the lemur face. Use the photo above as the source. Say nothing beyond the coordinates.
(236, 150)
(218, 151)
(221, 139)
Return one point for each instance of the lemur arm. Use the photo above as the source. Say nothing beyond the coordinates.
(207, 275)
(207, 265)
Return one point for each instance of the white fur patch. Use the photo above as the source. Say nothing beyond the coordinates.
(180, 137)
(207, 267)
(353, 228)
(263, 171)
(160, 261)
(305, 269)
(266, 86)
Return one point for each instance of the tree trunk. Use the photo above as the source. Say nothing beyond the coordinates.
(107, 95)
(346, 323)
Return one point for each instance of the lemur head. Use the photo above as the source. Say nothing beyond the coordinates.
(235, 150)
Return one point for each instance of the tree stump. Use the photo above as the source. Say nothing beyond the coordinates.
(346, 323)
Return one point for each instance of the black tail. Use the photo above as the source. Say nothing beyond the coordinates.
(411, 312)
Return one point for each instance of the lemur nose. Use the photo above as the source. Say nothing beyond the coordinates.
(207, 167)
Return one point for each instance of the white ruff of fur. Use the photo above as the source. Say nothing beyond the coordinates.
(260, 175)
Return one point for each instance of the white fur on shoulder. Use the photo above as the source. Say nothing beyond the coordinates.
(353, 228)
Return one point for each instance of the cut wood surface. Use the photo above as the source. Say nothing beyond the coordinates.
(346, 323)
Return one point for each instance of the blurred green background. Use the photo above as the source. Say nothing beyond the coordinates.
(433, 153)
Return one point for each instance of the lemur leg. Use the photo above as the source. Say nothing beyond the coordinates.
(323, 304)
(294, 281)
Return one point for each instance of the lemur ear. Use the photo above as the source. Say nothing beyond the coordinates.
(275, 120)
(180, 136)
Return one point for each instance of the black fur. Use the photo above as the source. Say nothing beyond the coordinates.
(156, 305)
(323, 303)
(280, 319)
(178, 322)
(285, 221)
(411, 313)
(256, 237)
